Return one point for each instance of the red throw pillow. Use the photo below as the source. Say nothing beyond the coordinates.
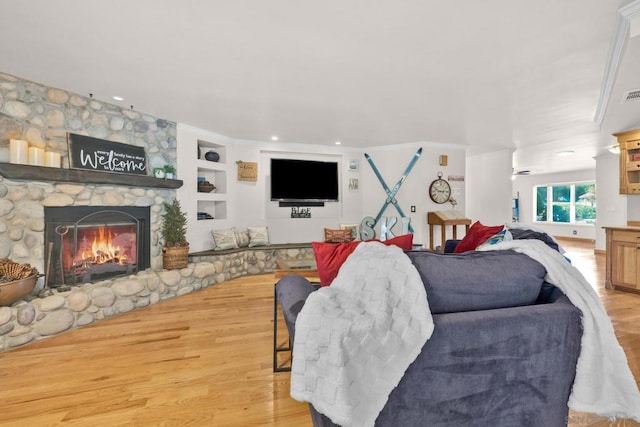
(331, 256)
(476, 235)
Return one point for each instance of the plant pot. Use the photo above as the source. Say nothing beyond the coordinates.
(11, 292)
(175, 257)
(158, 173)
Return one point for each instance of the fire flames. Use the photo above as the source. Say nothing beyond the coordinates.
(100, 250)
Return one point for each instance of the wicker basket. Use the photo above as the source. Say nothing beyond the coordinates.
(175, 257)
(11, 292)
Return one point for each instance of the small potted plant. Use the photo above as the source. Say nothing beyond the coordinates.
(158, 172)
(169, 171)
(174, 235)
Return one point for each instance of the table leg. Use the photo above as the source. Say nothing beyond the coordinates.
(430, 236)
(277, 349)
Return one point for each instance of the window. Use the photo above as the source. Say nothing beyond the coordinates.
(568, 203)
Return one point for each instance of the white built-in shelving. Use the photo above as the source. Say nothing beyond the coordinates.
(214, 203)
(192, 145)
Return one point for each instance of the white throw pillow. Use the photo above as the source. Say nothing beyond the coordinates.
(258, 236)
(224, 239)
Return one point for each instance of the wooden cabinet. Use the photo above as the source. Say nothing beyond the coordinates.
(629, 143)
(623, 258)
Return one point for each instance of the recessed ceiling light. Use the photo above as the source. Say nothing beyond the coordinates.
(118, 98)
(565, 153)
(274, 138)
(338, 142)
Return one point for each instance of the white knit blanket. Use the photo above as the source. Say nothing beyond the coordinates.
(355, 339)
(604, 384)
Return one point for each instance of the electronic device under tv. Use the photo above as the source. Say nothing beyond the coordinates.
(303, 182)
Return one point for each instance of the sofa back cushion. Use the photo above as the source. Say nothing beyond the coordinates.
(478, 280)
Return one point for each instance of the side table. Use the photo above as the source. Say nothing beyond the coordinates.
(306, 268)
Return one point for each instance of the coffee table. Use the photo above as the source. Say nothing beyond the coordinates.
(306, 268)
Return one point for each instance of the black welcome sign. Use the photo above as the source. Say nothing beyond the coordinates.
(88, 153)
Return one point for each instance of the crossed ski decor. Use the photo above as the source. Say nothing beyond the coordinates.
(391, 193)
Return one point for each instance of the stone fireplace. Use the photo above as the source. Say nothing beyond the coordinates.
(84, 244)
(43, 116)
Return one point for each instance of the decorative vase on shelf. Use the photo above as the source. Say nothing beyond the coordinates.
(212, 156)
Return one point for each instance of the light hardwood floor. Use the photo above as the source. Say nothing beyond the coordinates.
(203, 359)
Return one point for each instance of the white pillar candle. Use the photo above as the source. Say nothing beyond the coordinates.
(52, 159)
(36, 156)
(18, 151)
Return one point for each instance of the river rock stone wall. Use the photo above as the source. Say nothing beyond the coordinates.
(43, 115)
(53, 312)
(22, 213)
(256, 260)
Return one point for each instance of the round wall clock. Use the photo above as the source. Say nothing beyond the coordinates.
(440, 190)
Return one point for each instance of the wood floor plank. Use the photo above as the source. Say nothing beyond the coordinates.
(204, 359)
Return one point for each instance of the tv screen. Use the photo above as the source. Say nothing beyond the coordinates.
(304, 180)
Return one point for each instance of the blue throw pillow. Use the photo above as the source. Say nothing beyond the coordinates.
(502, 236)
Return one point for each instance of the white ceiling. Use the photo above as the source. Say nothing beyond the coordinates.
(496, 74)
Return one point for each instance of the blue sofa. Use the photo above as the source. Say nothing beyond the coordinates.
(503, 351)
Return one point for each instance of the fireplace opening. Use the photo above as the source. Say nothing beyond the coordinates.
(86, 244)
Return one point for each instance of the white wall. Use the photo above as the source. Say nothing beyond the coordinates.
(283, 228)
(484, 195)
(489, 189)
(633, 208)
(524, 185)
(612, 207)
(248, 203)
(392, 161)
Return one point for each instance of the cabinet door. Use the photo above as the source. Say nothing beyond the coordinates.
(626, 263)
(629, 143)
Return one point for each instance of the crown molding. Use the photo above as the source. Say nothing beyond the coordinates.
(616, 48)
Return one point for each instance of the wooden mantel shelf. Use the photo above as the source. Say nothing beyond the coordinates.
(40, 173)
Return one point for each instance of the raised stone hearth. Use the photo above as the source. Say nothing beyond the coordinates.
(53, 312)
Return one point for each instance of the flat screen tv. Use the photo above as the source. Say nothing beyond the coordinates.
(304, 181)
